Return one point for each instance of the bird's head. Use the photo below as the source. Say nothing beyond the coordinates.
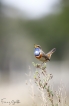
(37, 46)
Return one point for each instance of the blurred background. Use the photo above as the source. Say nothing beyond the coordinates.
(24, 23)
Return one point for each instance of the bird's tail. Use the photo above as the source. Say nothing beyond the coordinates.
(51, 52)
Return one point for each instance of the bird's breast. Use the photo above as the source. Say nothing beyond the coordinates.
(39, 56)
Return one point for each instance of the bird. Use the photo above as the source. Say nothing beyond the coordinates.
(41, 55)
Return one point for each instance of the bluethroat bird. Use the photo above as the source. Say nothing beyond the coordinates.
(39, 54)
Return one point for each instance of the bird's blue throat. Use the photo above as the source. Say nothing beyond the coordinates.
(37, 51)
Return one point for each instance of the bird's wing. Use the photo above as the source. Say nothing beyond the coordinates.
(44, 55)
(51, 52)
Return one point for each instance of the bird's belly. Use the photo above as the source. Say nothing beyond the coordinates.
(42, 59)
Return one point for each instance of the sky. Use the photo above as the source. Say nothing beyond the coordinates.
(33, 8)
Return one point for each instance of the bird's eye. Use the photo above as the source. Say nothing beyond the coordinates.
(39, 46)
